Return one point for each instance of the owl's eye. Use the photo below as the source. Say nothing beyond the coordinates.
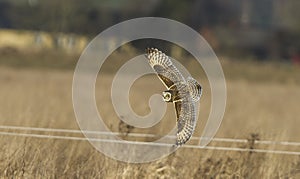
(168, 96)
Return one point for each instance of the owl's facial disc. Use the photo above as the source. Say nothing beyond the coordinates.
(167, 96)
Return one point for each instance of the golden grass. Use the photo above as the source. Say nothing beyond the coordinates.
(42, 98)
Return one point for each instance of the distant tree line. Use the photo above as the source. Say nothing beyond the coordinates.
(92, 16)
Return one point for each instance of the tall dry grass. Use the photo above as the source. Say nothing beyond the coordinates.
(262, 104)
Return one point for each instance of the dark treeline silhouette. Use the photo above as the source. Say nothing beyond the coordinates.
(264, 29)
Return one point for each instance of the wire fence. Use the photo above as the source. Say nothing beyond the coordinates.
(47, 136)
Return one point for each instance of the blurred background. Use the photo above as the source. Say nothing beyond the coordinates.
(257, 29)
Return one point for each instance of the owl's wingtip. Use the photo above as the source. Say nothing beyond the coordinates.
(150, 50)
(147, 50)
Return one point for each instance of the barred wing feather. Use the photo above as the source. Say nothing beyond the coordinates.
(164, 67)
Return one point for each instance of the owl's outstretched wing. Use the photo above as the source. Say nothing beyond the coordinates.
(189, 92)
(164, 67)
(186, 120)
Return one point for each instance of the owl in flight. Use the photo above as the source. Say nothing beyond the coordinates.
(184, 93)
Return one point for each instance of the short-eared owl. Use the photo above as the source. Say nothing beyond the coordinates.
(184, 93)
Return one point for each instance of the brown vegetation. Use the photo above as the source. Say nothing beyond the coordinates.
(262, 105)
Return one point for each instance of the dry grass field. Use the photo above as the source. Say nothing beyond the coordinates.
(262, 104)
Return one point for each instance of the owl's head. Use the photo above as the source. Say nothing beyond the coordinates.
(167, 96)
